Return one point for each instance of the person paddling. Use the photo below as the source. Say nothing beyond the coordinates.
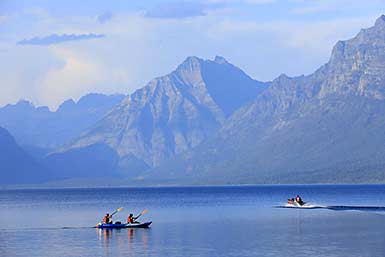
(107, 219)
(132, 220)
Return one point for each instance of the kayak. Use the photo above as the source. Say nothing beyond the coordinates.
(126, 225)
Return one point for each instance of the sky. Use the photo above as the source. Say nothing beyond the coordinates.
(51, 51)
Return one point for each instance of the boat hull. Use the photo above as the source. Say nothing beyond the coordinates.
(114, 226)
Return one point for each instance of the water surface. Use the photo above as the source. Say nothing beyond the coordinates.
(194, 221)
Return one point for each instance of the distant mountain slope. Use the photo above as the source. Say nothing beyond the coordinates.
(42, 128)
(175, 112)
(16, 166)
(325, 127)
(93, 161)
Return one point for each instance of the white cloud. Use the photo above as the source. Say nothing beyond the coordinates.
(266, 50)
(137, 49)
(319, 35)
(123, 61)
(57, 39)
(77, 76)
(20, 70)
(313, 7)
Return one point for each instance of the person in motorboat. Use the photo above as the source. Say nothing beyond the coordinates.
(107, 219)
(132, 220)
(299, 200)
(296, 201)
(290, 201)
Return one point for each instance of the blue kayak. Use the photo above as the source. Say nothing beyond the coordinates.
(125, 225)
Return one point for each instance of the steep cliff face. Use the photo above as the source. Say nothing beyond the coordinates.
(357, 65)
(325, 127)
(175, 112)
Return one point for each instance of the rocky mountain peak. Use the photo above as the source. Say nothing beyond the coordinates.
(174, 112)
(380, 22)
(324, 126)
(191, 63)
(338, 51)
(374, 35)
(220, 60)
(188, 71)
(281, 79)
(363, 48)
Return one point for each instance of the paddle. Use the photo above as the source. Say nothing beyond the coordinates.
(143, 212)
(116, 211)
(140, 214)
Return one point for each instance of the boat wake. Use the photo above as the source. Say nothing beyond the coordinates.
(336, 207)
(305, 206)
(356, 208)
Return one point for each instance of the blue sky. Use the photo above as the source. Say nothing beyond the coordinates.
(54, 50)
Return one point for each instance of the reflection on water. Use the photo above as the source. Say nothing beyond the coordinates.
(123, 240)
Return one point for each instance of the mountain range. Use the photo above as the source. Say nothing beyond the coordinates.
(42, 128)
(173, 113)
(326, 127)
(209, 122)
(16, 165)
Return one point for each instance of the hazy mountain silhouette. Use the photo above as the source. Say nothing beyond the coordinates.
(16, 165)
(39, 127)
(93, 161)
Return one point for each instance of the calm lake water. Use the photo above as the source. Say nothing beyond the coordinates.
(194, 221)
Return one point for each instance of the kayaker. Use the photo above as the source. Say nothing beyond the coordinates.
(131, 219)
(107, 219)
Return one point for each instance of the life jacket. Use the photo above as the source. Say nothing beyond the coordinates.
(106, 219)
(129, 220)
